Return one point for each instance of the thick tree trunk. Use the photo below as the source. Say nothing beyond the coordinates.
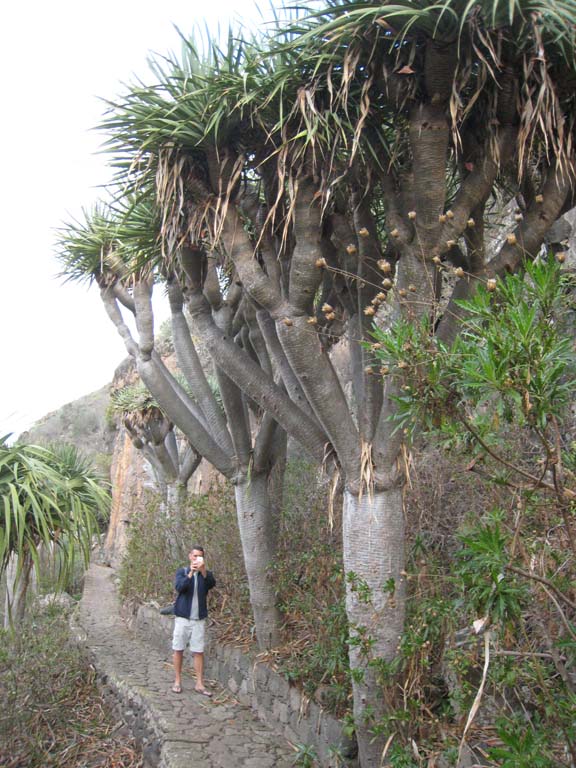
(257, 533)
(373, 549)
(175, 497)
(172, 505)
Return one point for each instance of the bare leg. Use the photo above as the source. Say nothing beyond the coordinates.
(199, 670)
(178, 657)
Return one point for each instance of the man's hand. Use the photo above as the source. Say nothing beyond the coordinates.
(197, 564)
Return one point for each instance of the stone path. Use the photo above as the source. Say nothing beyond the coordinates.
(176, 730)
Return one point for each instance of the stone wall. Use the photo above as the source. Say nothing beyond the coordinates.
(256, 685)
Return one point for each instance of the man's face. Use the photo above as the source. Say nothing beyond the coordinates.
(194, 555)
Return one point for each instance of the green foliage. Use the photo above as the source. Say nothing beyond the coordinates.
(442, 599)
(522, 746)
(511, 364)
(147, 571)
(148, 567)
(49, 496)
(360, 587)
(310, 582)
(481, 569)
(132, 398)
(308, 575)
(111, 241)
(51, 712)
(402, 757)
(500, 394)
(306, 756)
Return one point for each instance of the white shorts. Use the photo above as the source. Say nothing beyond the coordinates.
(189, 632)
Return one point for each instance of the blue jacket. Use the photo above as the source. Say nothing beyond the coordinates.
(185, 588)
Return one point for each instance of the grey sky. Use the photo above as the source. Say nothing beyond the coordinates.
(56, 59)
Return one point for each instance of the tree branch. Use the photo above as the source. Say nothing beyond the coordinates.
(171, 399)
(322, 387)
(238, 419)
(477, 186)
(251, 379)
(537, 481)
(539, 217)
(115, 315)
(305, 277)
(239, 248)
(189, 364)
(144, 317)
(542, 580)
(189, 465)
(287, 375)
(264, 442)
(123, 296)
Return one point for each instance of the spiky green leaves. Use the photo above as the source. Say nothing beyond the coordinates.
(513, 363)
(131, 399)
(50, 497)
(491, 63)
(112, 242)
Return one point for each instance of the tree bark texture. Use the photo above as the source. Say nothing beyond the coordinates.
(258, 537)
(373, 551)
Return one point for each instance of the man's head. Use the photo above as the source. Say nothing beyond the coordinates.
(196, 552)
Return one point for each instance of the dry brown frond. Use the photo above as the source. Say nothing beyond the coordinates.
(366, 470)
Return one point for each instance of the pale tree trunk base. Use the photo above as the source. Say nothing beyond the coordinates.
(373, 533)
(257, 534)
(17, 590)
(174, 498)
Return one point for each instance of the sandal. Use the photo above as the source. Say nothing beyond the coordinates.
(176, 688)
(203, 692)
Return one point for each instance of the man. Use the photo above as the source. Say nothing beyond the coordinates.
(191, 612)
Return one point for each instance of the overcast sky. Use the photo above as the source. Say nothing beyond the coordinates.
(56, 59)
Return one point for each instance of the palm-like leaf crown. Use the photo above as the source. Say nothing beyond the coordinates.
(330, 97)
(112, 242)
(335, 87)
(49, 495)
(166, 136)
(371, 58)
(205, 129)
(132, 399)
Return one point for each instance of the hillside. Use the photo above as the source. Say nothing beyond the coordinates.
(82, 423)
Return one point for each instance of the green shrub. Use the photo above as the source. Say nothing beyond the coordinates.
(158, 546)
(310, 585)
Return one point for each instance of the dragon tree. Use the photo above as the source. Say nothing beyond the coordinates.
(311, 185)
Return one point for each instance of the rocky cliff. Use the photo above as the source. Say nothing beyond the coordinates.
(88, 425)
